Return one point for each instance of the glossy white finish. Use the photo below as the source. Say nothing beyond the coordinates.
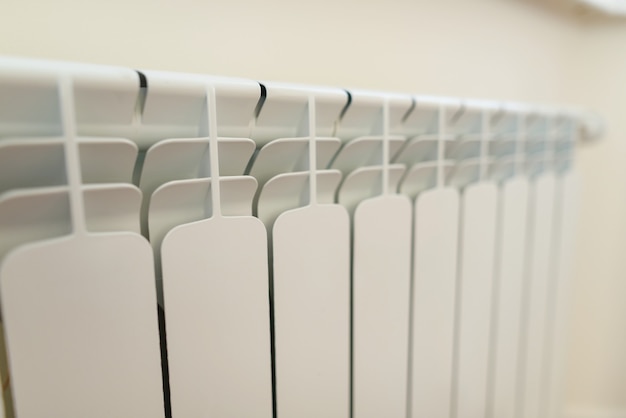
(103, 160)
(188, 158)
(311, 289)
(567, 212)
(364, 151)
(290, 154)
(475, 286)
(81, 327)
(80, 311)
(381, 278)
(216, 258)
(184, 201)
(537, 294)
(433, 312)
(285, 112)
(215, 289)
(366, 182)
(34, 214)
(288, 191)
(508, 291)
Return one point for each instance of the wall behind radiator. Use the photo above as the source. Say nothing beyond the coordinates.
(493, 48)
(597, 375)
(500, 49)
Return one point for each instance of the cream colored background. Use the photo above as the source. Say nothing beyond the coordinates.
(500, 49)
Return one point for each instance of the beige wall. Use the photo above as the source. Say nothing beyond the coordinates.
(502, 49)
(494, 48)
(597, 373)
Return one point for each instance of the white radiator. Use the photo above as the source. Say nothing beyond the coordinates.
(313, 252)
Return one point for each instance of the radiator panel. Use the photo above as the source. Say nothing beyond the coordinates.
(508, 291)
(433, 302)
(215, 289)
(565, 238)
(310, 251)
(536, 295)
(311, 293)
(474, 294)
(81, 334)
(380, 305)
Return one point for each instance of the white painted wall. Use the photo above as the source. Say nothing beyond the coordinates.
(501, 49)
